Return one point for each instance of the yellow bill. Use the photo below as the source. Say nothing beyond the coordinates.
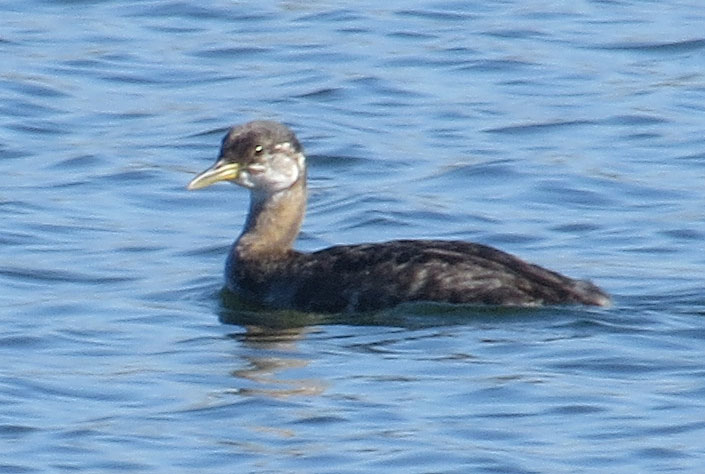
(220, 171)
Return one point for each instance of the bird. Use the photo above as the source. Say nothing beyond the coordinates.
(264, 269)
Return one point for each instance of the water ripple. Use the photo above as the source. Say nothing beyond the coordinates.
(539, 127)
(683, 46)
(571, 136)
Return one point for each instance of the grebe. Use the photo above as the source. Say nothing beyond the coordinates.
(262, 267)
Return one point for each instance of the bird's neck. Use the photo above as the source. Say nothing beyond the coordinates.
(273, 222)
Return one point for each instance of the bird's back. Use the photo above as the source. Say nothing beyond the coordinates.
(372, 276)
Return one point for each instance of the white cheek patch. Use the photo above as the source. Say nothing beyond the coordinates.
(282, 175)
(245, 180)
(287, 148)
(256, 169)
(283, 170)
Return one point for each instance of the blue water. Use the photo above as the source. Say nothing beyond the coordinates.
(570, 133)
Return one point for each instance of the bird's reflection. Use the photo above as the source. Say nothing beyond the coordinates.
(270, 349)
(272, 353)
(270, 343)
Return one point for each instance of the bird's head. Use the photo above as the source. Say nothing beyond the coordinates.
(262, 156)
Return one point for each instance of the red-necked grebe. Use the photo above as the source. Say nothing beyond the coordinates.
(262, 267)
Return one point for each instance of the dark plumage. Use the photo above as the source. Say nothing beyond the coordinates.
(267, 158)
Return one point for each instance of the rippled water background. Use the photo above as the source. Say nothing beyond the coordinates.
(570, 133)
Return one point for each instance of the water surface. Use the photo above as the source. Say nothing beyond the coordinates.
(570, 134)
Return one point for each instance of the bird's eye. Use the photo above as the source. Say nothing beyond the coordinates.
(258, 149)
